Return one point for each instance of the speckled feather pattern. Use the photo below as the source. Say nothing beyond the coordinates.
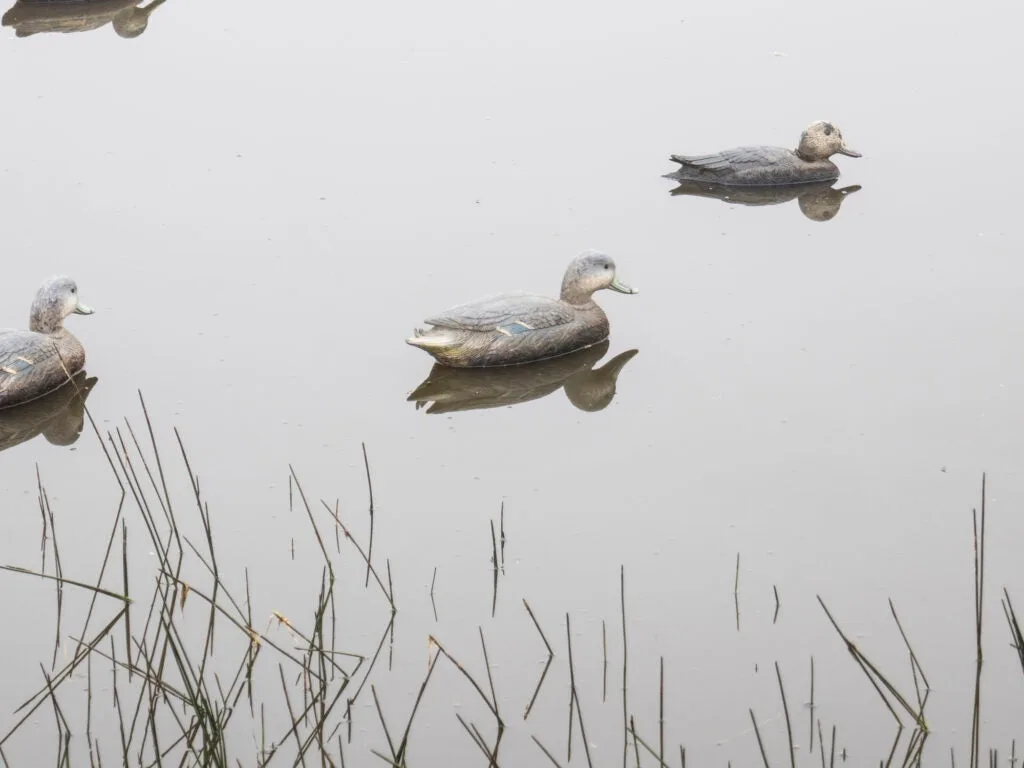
(41, 363)
(490, 313)
(463, 347)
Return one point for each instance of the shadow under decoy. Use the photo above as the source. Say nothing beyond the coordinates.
(819, 201)
(129, 18)
(446, 389)
(58, 416)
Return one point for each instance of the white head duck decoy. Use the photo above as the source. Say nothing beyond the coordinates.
(513, 328)
(766, 166)
(45, 357)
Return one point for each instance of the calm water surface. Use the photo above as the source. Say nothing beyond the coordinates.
(262, 200)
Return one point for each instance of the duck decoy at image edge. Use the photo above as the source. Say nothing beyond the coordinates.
(35, 362)
(514, 328)
(766, 166)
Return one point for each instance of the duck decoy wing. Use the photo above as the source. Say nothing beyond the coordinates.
(737, 158)
(511, 313)
(25, 362)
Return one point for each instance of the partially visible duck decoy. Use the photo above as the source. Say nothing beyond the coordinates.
(446, 390)
(31, 17)
(513, 328)
(818, 200)
(58, 416)
(764, 166)
(45, 357)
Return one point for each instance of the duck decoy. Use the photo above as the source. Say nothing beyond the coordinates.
(58, 416)
(513, 328)
(765, 166)
(31, 17)
(45, 357)
(818, 200)
(446, 390)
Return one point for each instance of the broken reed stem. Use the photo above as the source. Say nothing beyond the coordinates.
(661, 711)
(645, 745)
(736, 592)
(536, 691)
(979, 594)
(537, 625)
(604, 662)
(494, 559)
(369, 486)
(469, 677)
(915, 665)
(476, 739)
(872, 672)
(545, 751)
(625, 658)
(811, 707)
(574, 696)
(1015, 630)
(785, 710)
(487, 664)
(760, 744)
(350, 537)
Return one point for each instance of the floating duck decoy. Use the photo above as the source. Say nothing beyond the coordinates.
(35, 362)
(818, 200)
(58, 416)
(446, 390)
(513, 328)
(31, 17)
(765, 166)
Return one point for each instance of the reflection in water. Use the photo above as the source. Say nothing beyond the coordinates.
(465, 389)
(819, 201)
(30, 17)
(59, 416)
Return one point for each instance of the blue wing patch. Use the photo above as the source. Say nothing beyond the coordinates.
(514, 328)
(16, 366)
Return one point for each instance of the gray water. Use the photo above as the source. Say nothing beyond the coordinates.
(262, 200)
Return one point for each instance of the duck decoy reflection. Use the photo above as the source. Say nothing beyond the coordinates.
(819, 200)
(763, 166)
(43, 358)
(513, 328)
(446, 389)
(58, 416)
(30, 17)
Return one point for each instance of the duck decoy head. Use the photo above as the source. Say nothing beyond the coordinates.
(589, 272)
(56, 299)
(820, 140)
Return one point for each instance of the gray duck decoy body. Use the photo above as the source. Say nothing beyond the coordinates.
(43, 358)
(765, 166)
(513, 328)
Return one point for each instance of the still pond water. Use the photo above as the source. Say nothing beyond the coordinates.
(261, 200)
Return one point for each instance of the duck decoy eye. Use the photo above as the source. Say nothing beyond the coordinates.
(828, 129)
(606, 266)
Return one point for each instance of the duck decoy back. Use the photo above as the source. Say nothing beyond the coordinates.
(45, 357)
(513, 328)
(765, 166)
